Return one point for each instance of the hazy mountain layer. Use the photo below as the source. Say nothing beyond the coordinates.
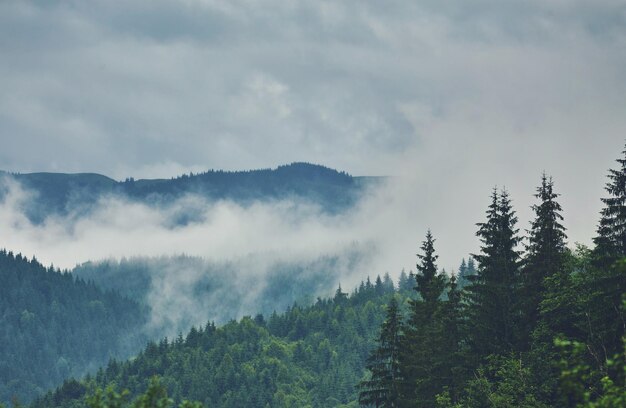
(63, 194)
(182, 291)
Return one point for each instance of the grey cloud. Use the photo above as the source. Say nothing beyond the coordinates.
(152, 82)
(452, 96)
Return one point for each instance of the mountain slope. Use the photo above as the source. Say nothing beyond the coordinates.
(182, 291)
(53, 326)
(309, 356)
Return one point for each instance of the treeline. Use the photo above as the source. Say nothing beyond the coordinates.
(77, 194)
(542, 327)
(53, 326)
(309, 356)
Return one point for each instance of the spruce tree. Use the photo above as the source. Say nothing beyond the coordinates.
(471, 266)
(452, 362)
(466, 269)
(421, 373)
(382, 388)
(404, 285)
(429, 283)
(545, 253)
(605, 285)
(493, 307)
(462, 270)
(611, 240)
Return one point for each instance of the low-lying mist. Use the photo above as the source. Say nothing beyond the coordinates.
(227, 259)
(184, 291)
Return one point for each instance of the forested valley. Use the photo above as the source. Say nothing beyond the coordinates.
(527, 321)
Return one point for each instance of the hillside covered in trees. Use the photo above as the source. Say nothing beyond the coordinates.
(526, 322)
(63, 194)
(308, 356)
(53, 326)
(533, 323)
(218, 291)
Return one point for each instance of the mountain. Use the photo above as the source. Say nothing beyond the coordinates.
(63, 194)
(53, 326)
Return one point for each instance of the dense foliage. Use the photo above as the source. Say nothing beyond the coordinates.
(539, 327)
(308, 356)
(53, 326)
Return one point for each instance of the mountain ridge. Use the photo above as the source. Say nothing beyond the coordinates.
(64, 193)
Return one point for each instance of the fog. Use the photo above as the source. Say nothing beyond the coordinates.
(243, 246)
(449, 98)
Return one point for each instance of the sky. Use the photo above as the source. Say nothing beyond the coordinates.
(451, 98)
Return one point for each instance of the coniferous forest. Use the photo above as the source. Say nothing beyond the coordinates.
(527, 321)
(312, 204)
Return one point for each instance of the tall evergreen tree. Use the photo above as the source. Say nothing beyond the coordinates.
(452, 356)
(462, 269)
(605, 285)
(493, 307)
(404, 284)
(466, 269)
(382, 389)
(611, 240)
(471, 266)
(421, 373)
(545, 253)
(429, 283)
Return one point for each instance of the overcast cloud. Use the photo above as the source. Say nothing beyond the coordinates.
(451, 96)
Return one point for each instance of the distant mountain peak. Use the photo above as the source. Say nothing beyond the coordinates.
(62, 193)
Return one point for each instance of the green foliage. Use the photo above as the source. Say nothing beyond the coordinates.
(579, 381)
(155, 396)
(501, 382)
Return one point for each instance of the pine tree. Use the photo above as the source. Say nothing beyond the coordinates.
(611, 240)
(492, 301)
(382, 389)
(420, 371)
(545, 253)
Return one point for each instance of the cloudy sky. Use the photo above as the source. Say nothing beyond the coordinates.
(452, 97)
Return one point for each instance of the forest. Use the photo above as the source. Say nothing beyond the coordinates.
(53, 326)
(527, 321)
(313, 204)
(538, 325)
